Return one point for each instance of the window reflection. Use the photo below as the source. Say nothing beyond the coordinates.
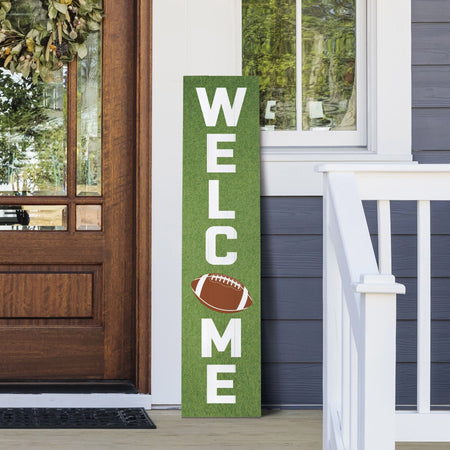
(328, 65)
(322, 86)
(89, 161)
(33, 217)
(32, 122)
(269, 45)
(32, 136)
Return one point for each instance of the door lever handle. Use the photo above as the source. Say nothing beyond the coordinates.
(14, 215)
(23, 218)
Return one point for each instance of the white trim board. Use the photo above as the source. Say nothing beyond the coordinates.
(293, 175)
(75, 401)
(190, 37)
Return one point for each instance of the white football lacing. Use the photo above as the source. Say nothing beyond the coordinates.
(227, 280)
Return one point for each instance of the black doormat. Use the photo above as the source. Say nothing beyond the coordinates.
(101, 418)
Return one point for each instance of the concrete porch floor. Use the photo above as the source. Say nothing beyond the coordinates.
(276, 429)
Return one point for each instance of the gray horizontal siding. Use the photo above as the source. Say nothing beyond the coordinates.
(291, 215)
(291, 256)
(429, 157)
(430, 43)
(431, 87)
(431, 11)
(431, 81)
(431, 129)
(292, 341)
(291, 300)
(292, 384)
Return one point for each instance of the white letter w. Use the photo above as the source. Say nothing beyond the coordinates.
(221, 99)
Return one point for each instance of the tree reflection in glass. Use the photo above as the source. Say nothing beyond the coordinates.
(269, 51)
(32, 122)
(32, 136)
(272, 32)
(328, 64)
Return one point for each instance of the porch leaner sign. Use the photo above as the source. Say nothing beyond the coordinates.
(221, 373)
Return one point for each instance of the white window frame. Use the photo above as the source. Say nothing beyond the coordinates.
(305, 138)
(289, 170)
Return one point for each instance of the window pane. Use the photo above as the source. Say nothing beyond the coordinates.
(33, 217)
(89, 217)
(327, 36)
(269, 50)
(32, 123)
(328, 64)
(89, 164)
(33, 144)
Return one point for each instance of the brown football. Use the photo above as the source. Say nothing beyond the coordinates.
(221, 293)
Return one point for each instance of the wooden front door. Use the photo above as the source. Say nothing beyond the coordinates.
(67, 220)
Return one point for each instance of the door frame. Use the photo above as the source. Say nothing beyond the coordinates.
(143, 144)
(143, 194)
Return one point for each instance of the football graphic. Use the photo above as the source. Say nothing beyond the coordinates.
(221, 293)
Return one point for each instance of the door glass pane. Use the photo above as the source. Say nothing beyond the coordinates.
(32, 124)
(269, 50)
(32, 136)
(33, 217)
(328, 65)
(89, 217)
(89, 164)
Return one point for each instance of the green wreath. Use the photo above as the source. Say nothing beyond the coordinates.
(42, 49)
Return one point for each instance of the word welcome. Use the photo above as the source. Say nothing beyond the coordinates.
(215, 164)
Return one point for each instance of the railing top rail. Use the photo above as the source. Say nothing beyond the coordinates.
(396, 181)
(384, 167)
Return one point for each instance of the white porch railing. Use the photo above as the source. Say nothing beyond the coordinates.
(360, 308)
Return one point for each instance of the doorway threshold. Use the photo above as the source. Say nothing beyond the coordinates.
(72, 395)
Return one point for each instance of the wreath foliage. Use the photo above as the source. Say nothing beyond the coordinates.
(44, 48)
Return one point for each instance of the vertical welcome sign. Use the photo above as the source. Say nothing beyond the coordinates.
(221, 363)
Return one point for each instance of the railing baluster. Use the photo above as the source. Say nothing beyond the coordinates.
(423, 306)
(384, 237)
(353, 393)
(346, 381)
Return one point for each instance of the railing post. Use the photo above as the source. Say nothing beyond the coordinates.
(377, 362)
(332, 346)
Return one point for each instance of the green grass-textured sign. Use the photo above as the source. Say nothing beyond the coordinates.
(221, 374)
